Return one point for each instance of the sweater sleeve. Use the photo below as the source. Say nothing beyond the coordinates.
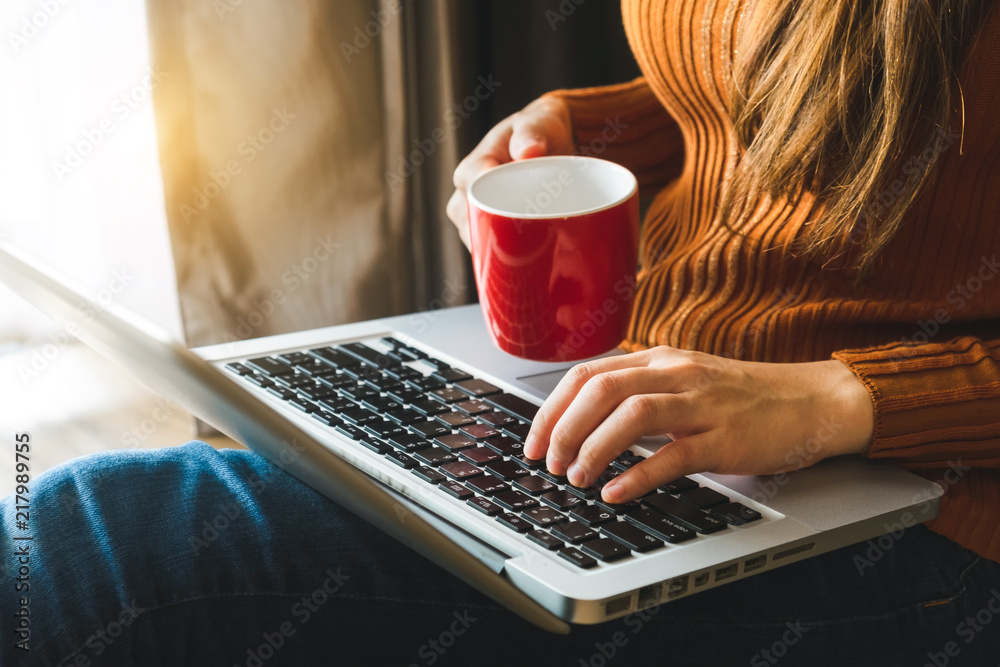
(934, 403)
(627, 124)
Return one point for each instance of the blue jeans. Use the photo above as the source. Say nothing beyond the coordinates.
(192, 556)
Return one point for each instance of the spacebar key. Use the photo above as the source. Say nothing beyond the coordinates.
(683, 512)
(515, 405)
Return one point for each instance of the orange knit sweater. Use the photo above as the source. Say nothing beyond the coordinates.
(922, 332)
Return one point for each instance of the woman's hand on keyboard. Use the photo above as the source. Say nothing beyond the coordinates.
(541, 128)
(725, 416)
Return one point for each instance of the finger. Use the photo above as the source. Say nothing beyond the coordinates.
(685, 456)
(537, 442)
(638, 415)
(458, 210)
(527, 139)
(595, 402)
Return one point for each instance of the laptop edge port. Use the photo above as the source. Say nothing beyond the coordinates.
(726, 572)
(677, 587)
(755, 563)
(618, 605)
(650, 595)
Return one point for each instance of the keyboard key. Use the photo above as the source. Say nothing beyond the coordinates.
(495, 419)
(335, 357)
(479, 431)
(405, 416)
(530, 464)
(327, 418)
(515, 405)
(534, 485)
(449, 395)
(473, 407)
(561, 500)
(517, 431)
(434, 456)
(384, 429)
(358, 392)
(238, 368)
(407, 395)
(401, 459)
(514, 522)
(506, 470)
(303, 404)
(587, 493)
(430, 429)
(617, 508)
(661, 526)
(592, 515)
(294, 381)
(360, 416)
(479, 455)
(555, 479)
(577, 557)
(284, 393)
(426, 383)
(314, 367)
(543, 516)
(573, 532)
(703, 497)
(456, 489)
(454, 419)
(606, 549)
(259, 379)
(337, 404)
(351, 431)
(485, 506)
(504, 445)
(429, 406)
(477, 388)
(684, 513)
(408, 442)
(363, 373)
(336, 381)
(449, 375)
(317, 390)
(369, 355)
(460, 470)
(488, 485)
(454, 441)
(270, 366)
(515, 501)
(375, 445)
(403, 373)
(735, 513)
(631, 536)
(381, 404)
(429, 475)
(548, 541)
(680, 484)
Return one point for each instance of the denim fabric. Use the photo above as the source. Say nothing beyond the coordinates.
(192, 556)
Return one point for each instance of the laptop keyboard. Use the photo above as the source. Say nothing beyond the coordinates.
(463, 436)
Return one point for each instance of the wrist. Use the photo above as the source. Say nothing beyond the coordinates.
(852, 402)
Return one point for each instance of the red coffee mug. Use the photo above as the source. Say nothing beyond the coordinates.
(554, 249)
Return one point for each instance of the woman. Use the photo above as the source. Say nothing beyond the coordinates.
(819, 253)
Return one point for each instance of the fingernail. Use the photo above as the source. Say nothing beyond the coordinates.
(613, 492)
(577, 477)
(530, 446)
(555, 466)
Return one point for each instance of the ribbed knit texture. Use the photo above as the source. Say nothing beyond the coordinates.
(922, 332)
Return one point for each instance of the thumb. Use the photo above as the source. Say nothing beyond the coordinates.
(527, 143)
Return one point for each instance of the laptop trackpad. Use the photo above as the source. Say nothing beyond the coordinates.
(544, 382)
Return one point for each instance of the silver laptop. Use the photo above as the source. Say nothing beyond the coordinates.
(433, 415)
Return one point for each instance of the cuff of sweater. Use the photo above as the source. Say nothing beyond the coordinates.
(933, 402)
